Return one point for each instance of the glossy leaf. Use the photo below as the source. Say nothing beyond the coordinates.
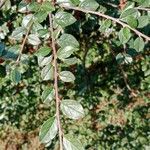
(143, 21)
(65, 52)
(66, 76)
(43, 51)
(72, 109)
(89, 4)
(34, 39)
(47, 72)
(68, 40)
(48, 95)
(129, 12)
(18, 33)
(139, 44)
(27, 21)
(43, 61)
(124, 35)
(71, 143)
(48, 130)
(64, 19)
(15, 76)
(2, 48)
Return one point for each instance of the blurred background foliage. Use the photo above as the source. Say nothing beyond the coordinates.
(117, 117)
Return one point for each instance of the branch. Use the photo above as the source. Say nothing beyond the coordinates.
(142, 8)
(23, 44)
(2, 3)
(56, 82)
(109, 17)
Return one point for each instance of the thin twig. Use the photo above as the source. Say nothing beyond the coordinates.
(2, 3)
(56, 82)
(142, 8)
(23, 44)
(125, 77)
(109, 17)
(138, 8)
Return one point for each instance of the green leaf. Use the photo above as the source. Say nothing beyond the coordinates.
(143, 21)
(43, 61)
(48, 130)
(15, 76)
(22, 7)
(129, 12)
(72, 109)
(64, 19)
(18, 33)
(43, 51)
(34, 6)
(47, 7)
(66, 76)
(47, 72)
(41, 16)
(48, 95)
(89, 4)
(27, 21)
(2, 48)
(124, 58)
(70, 61)
(34, 39)
(68, 40)
(124, 35)
(139, 44)
(132, 21)
(65, 52)
(71, 144)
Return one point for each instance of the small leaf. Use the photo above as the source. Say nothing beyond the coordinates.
(47, 72)
(27, 21)
(2, 48)
(124, 35)
(68, 40)
(129, 12)
(18, 33)
(43, 51)
(66, 76)
(64, 19)
(48, 95)
(43, 61)
(41, 16)
(89, 4)
(47, 7)
(48, 130)
(72, 109)
(143, 21)
(15, 76)
(132, 21)
(71, 144)
(124, 58)
(33, 39)
(139, 44)
(65, 52)
(70, 61)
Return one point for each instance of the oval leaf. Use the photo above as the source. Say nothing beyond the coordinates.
(71, 144)
(64, 19)
(66, 76)
(33, 39)
(48, 95)
(15, 76)
(43, 51)
(48, 130)
(72, 109)
(47, 72)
